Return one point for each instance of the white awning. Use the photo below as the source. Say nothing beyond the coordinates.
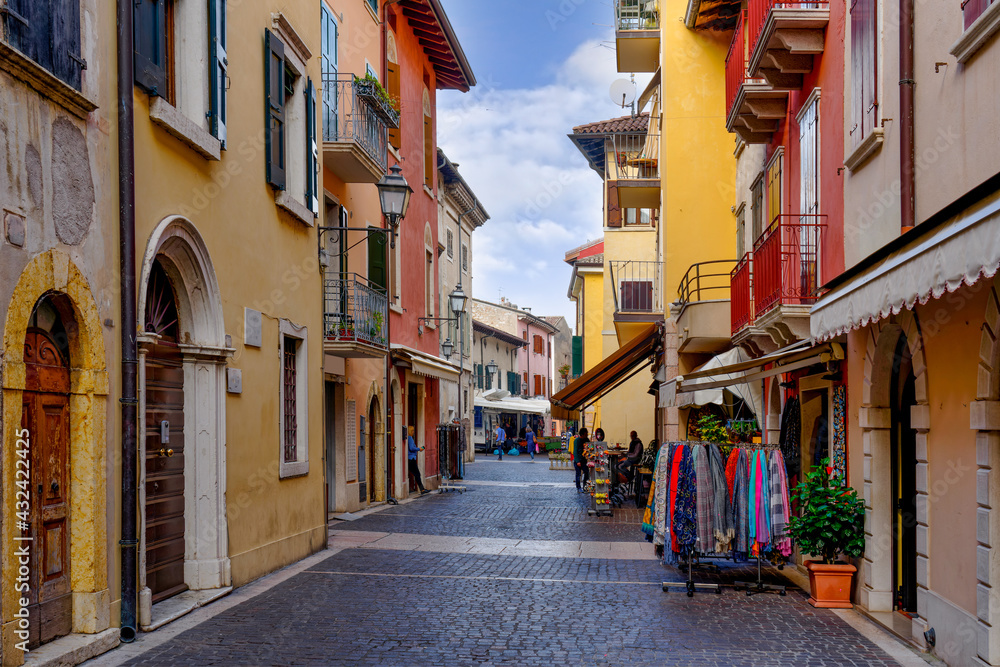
(960, 252)
(424, 364)
(514, 404)
(750, 393)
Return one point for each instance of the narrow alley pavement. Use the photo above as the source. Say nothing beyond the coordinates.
(511, 572)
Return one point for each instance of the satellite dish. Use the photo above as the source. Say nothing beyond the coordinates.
(623, 92)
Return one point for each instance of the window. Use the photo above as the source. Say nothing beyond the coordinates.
(524, 335)
(741, 231)
(33, 30)
(465, 258)
(774, 187)
(757, 208)
(373, 4)
(539, 344)
(524, 386)
(290, 140)
(376, 261)
(539, 385)
(809, 159)
(169, 59)
(451, 243)
(294, 403)
(636, 217)
(864, 69)
(392, 75)
(430, 156)
(973, 9)
(637, 295)
(550, 349)
(429, 283)
(330, 65)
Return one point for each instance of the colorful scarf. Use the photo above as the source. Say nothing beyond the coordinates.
(760, 499)
(840, 431)
(741, 498)
(779, 505)
(648, 517)
(661, 514)
(722, 518)
(684, 521)
(791, 432)
(704, 500)
(731, 462)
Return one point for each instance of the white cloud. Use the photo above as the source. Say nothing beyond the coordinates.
(544, 199)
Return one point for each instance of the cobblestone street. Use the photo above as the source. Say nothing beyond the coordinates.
(511, 572)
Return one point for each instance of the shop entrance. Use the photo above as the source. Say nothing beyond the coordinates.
(390, 447)
(373, 413)
(904, 480)
(45, 417)
(412, 395)
(331, 445)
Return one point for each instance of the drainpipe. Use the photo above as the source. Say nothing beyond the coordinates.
(129, 403)
(906, 85)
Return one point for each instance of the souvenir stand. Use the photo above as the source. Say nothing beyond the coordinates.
(600, 468)
(719, 501)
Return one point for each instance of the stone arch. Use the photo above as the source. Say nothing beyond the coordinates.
(54, 272)
(774, 406)
(876, 421)
(985, 420)
(176, 244)
(399, 460)
(376, 400)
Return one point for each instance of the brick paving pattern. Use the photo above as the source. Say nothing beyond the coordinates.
(368, 606)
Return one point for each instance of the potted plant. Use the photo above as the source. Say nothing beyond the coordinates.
(711, 429)
(384, 106)
(831, 522)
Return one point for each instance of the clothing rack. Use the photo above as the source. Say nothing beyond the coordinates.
(690, 584)
(759, 586)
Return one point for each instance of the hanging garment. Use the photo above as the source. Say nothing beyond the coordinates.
(731, 463)
(741, 499)
(840, 431)
(661, 515)
(760, 499)
(722, 520)
(683, 524)
(779, 505)
(648, 514)
(791, 433)
(704, 500)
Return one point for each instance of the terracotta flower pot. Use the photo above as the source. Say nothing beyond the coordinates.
(830, 585)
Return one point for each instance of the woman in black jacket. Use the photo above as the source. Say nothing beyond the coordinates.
(579, 460)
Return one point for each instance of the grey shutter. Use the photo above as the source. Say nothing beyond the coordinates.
(67, 61)
(218, 66)
(150, 45)
(274, 107)
(18, 19)
(312, 150)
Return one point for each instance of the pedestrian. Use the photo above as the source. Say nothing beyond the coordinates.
(412, 449)
(579, 460)
(501, 437)
(627, 465)
(529, 437)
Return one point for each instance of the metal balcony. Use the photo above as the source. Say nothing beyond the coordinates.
(637, 286)
(741, 294)
(633, 168)
(637, 35)
(753, 106)
(355, 317)
(355, 130)
(783, 38)
(786, 262)
(702, 309)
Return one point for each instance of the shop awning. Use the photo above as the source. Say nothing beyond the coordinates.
(513, 404)
(751, 393)
(793, 357)
(424, 364)
(628, 360)
(959, 252)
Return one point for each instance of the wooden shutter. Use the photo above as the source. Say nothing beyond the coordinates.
(67, 60)
(869, 97)
(150, 45)
(312, 151)
(330, 65)
(538, 385)
(430, 159)
(19, 23)
(274, 105)
(577, 369)
(376, 261)
(218, 68)
(489, 380)
(614, 210)
(864, 103)
(392, 87)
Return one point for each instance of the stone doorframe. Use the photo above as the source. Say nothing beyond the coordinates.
(54, 272)
(398, 425)
(375, 396)
(876, 421)
(201, 331)
(985, 420)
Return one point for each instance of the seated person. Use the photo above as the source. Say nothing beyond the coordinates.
(627, 465)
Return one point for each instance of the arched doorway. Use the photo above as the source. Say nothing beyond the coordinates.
(373, 421)
(45, 420)
(164, 441)
(390, 448)
(904, 479)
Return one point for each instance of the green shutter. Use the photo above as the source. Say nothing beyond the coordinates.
(150, 45)
(274, 107)
(376, 261)
(312, 151)
(577, 356)
(218, 68)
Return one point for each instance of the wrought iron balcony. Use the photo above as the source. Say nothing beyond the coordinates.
(355, 129)
(783, 37)
(637, 35)
(702, 309)
(634, 168)
(741, 294)
(637, 286)
(355, 317)
(753, 107)
(786, 261)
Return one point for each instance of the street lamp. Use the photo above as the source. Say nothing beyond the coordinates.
(447, 347)
(394, 198)
(491, 367)
(457, 300)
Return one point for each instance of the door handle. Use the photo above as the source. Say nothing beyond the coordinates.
(55, 487)
(166, 452)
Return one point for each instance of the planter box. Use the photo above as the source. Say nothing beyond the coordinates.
(830, 585)
(367, 92)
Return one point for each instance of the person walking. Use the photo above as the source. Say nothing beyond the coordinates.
(529, 437)
(579, 460)
(412, 449)
(501, 438)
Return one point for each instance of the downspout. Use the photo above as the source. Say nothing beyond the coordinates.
(906, 85)
(126, 217)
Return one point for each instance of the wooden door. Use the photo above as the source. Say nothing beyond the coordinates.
(372, 444)
(45, 415)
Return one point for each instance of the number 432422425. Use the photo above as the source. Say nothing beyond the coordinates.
(23, 476)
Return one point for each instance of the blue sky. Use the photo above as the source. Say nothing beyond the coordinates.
(543, 66)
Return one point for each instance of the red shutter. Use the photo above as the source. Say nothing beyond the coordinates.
(614, 210)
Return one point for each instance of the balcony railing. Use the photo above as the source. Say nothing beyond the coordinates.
(349, 116)
(741, 293)
(355, 311)
(786, 261)
(757, 11)
(636, 157)
(636, 15)
(637, 286)
(706, 281)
